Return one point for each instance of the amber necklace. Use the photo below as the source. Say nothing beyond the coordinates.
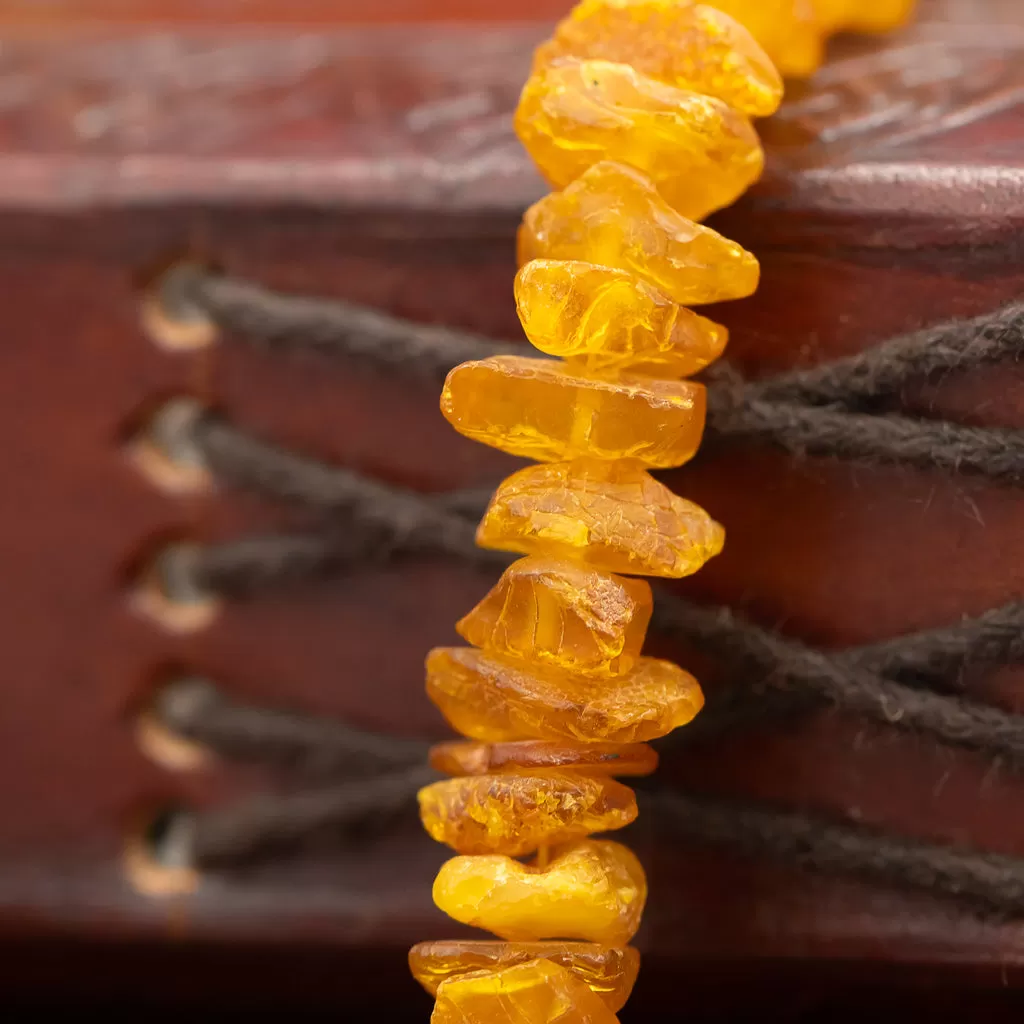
(638, 111)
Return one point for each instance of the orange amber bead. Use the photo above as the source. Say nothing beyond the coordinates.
(538, 992)
(594, 890)
(555, 612)
(467, 758)
(611, 321)
(699, 152)
(546, 410)
(613, 216)
(515, 814)
(611, 515)
(494, 699)
(691, 46)
(608, 971)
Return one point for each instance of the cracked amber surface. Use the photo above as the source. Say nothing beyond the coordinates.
(467, 758)
(593, 890)
(690, 46)
(536, 992)
(516, 813)
(560, 613)
(613, 215)
(609, 320)
(493, 699)
(546, 410)
(608, 971)
(700, 153)
(611, 515)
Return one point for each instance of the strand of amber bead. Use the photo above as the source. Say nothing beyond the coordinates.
(638, 113)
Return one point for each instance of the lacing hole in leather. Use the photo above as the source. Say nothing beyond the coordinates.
(169, 593)
(170, 314)
(158, 855)
(165, 452)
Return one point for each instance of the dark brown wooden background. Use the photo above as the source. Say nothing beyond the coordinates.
(333, 148)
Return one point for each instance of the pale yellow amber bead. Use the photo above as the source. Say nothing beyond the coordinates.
(613, 216)
(547, 410)
(610, 321)
(700, 153)
(560, 613)
(787, 29)
(879, 15)
(537, 992)
(611, 515)
(516, 813)
(494, 699)
(608, 971)
(593, 890)
(690, 46)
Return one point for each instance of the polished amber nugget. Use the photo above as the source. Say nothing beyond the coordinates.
(611, 321)
(613, 216)
(612, 516)
(557, 612)
(699, 152)
(608, 971)
(787, 29)
(546, 410)
(538, 992)
(514, 814)
(593, 890)
(691, 46)
(467, 758)
(494, 699)
(862, 15)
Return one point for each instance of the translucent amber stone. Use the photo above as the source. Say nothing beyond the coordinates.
(612, 515)
(787, 29)
(546, 410)
(608, 971)
(613, 216)
(699, 152)
(610, 321)
(514, 814)
(594, 890)
(690, 46)
(495, 700)
(557, 612)
(878, 15)
(466, 758)
(538, 992)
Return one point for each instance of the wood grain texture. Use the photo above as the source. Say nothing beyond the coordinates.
(377, 164)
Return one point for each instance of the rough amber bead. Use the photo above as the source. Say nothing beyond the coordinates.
(537, 992)
(787, 29)
(878, 15)
(556, 612)
(691, 46)
(515, 814)
(547, 410)
(610, 321)
(699, 152)
(467, 758)
(495, 700)
(613, 216)
(614, 516)
(594, 890)
(608, 971)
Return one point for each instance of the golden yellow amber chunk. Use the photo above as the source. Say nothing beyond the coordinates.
(467, 758)
(878, 15)
(608, 971)
(612, 515)
(514, 814)
(690, 46)
(610, 321)
(547, 410)
(700, 153)
(593, 890)
(557, 612)
(787, 29)
(495, 700)
(613, 216)
(538, 992)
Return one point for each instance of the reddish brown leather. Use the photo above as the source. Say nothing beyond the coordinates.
(377, 163)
